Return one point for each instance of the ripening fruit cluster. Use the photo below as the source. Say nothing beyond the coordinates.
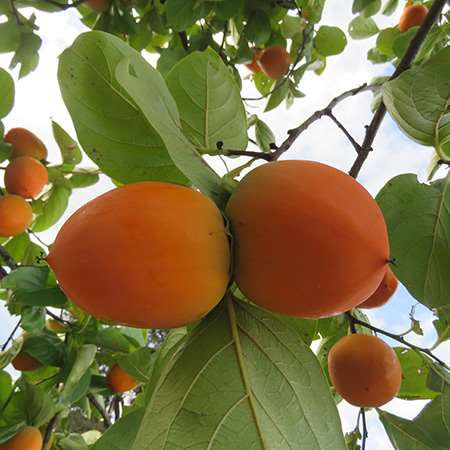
(309, 241)
(25, 178)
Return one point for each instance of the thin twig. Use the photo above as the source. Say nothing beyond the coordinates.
(365, 433)
(408, 58)
(63, 7)
(397, 338)
(184, 40)
(100, 409)
(11, 335)
(7, 258)
(296, 132)
(249, 154)
(356, 146)
(57, 318)
(49, 431)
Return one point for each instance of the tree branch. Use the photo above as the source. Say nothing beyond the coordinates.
(184, 40)
(7, 258)
(49, 431)
(296, 132)
(100, 409)
(250, 154)
(364, 433)
(63, 7)
(356, 146)
(397, 338)
(11, 335)
(372, 129)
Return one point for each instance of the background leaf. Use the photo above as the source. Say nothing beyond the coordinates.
(6, 92)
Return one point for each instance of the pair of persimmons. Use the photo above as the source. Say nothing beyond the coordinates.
(25, 178)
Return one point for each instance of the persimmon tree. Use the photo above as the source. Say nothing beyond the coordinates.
(250, 268)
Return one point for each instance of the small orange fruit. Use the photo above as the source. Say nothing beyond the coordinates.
(253, 66)
(25, 176)
(164, 245)
(412, 16)
(274, 61)
(25, 362)
(384, 292)
(28, 438)
(15, 215)
(364, 370)
(119, 380)
(25, 143)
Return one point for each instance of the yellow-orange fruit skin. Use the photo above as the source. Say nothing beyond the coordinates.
(119, 380)
(25, 176)
(364, 370)
(99, 5)
(55, 326)
(253, 66)
(274, 61)
(25, 143)
(15, 215)
(309, 240)
(385, 291)
(149, 254)
(29, 438)
(412, 16)
(24, 362)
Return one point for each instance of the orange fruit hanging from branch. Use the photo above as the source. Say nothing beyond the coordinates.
(24, 362)
(274, 61)
(25, 176)
(149, 254)
(15, 215)
(25, 143)
(412, 16)
(28, 438)
(385, 291)
(120, 381)
(310, 241)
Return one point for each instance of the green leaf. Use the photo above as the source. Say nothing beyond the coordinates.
(390, 7)
(70, 150)
(122, 434)
(8, 355)
(33, 318)
(85, 357)
(138, 364)
(330, 41)
(168, 58)
(26, 279)
(181, 14)
(418, 101)
(5, 387)
(279, 93)
(54, 208)
(27, 53)
(209, 102)
(263, 83)
(110, 127)
(73, 441)
(39, 405)
(111, 338)
(362, 28)
(385, 40)
(291, 26)
(84, 179)
(6, 92)
(415, 370)
(313, 9)
(442, 325)
(10, 35)
(45, 347)
(161, 112)
(418, 220)
(402, 42)
(242, 380)
(264, 136)
(258, 29)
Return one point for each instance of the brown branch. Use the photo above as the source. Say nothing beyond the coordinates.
(408, 58)
(356, 146)
(62, 6)
(364, 433)
(11, 335)
(396, 337)
(250, 154)
(100, 409)
(296, 132)
(49, 431)
(7, 258)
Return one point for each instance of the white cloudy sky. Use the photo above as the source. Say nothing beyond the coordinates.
(38, 100)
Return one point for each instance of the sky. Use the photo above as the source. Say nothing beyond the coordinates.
(38, 100)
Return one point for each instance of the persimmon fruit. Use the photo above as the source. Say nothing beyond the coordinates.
(412, 16)
(364, 370)
(254, 66)
(24, 362)
(274, 61)
(119, 380)
(25, 143)
(309, 240)
(25, 176)
(385, 291)
(28, 438)
(16, 215)
(99, 5)
(148, 254)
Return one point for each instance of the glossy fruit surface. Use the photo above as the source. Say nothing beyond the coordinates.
(28, 438)
(25, 143)
(412, 16)
(364, 370)
(119, 380)
(25, 176)
(24, 362)
(15, 215)
(275, 61)
(254, 66)
(385, 291)
(149, 254)
(309, 240)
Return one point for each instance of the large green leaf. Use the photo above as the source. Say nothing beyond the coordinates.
(418, 221)
(161, 112)
(419, 99)
(6, 93)
(70, 150)
(53, 208)
(110, 127)
(243, 380)
(208, 100)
